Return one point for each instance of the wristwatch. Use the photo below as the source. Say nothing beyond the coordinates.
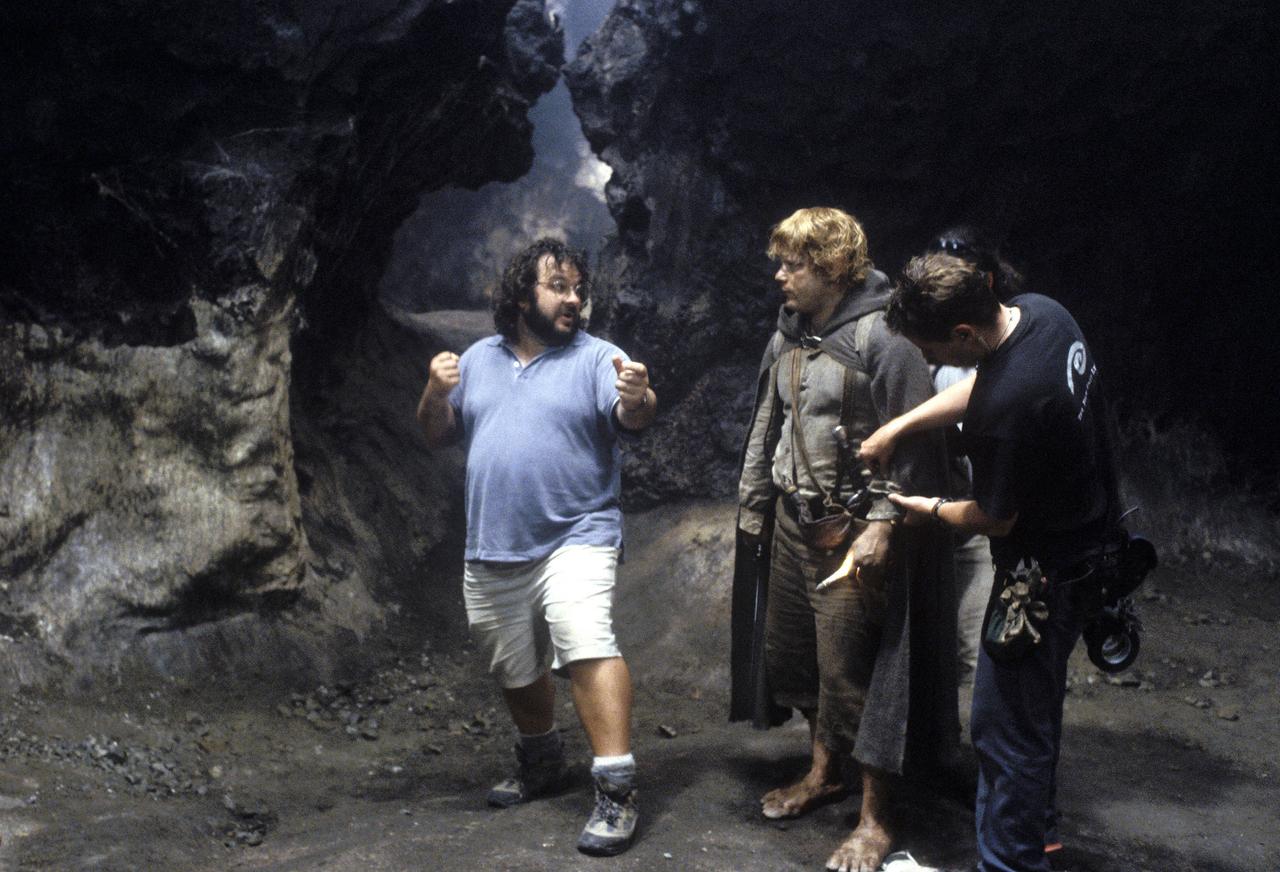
(938, 504)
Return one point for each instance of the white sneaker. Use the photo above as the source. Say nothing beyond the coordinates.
(901, 861)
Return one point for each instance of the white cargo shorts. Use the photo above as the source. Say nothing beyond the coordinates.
(543, 614)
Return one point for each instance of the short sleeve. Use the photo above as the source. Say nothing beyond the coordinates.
(606, 385)
(457, 396)
(606, 380)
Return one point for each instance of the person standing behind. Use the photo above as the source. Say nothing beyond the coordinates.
(539, 408)
(974, 571)
(1044, 490)
(872, 650)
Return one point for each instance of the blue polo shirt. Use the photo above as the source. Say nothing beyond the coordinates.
(543, 465)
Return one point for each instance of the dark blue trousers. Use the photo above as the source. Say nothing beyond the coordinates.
(1017, 726)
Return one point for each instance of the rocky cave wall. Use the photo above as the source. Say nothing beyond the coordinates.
(198, 199)
(1120, 152)
(207, 449)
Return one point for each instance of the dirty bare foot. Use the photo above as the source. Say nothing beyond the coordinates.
(863, 851)
(796, 799)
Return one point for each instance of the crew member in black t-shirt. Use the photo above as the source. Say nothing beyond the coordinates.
(1035, 429)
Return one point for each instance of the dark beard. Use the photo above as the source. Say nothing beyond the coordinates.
(544, 328)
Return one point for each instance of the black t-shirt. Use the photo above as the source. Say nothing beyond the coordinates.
(1037, 433)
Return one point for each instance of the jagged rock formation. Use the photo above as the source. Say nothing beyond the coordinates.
(206, 436)
(1123, 153)
(451, 250)
(198, 200)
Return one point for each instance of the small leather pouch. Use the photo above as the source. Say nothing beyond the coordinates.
(1016, 612)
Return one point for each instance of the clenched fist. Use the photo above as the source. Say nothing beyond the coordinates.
(632, 383)
(877, 449)
(443, 374)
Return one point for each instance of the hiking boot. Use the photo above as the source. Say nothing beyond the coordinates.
(535, 776)
(612, 824)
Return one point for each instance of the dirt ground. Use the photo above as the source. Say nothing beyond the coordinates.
(1170, 767)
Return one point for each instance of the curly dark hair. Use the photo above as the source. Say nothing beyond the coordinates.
(520, 276)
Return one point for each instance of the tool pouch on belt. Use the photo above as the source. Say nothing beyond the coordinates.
(827, 532)
(1016, 612)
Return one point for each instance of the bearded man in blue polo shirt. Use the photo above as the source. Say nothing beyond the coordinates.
(539, 408)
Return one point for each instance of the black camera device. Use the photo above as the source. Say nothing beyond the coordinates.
(1113, 632)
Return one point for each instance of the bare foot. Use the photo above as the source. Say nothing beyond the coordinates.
(796, 799)
(863, 851)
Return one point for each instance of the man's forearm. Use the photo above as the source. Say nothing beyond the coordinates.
(641, 416)
(966, 516)
(435, 413)
(941, 410)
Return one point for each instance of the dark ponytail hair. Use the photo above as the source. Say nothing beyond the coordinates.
(971, 244)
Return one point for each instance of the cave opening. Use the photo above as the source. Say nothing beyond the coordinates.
(450, 251)
(382, 514)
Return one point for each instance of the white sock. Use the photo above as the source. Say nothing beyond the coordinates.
(622, 761)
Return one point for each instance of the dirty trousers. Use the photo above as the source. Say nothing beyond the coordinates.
(820, 647)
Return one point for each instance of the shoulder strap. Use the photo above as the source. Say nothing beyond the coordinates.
(843, 460)
(861, 334)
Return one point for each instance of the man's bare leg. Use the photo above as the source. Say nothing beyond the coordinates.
(822, 783)
(539, 748)
(602, 696)
(532, 707)
(870, 840)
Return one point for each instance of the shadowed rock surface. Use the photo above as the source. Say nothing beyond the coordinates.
(185, 187)
(1124, 153)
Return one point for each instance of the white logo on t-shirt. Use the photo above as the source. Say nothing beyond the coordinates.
(1075, 364)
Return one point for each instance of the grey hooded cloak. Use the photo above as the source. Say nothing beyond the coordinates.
(911, 709)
